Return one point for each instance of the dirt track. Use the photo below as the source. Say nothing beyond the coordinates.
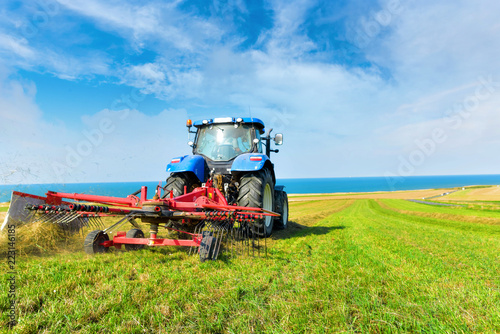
(410, 194)
(475, 194)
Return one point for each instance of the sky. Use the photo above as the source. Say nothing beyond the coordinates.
(100, 90)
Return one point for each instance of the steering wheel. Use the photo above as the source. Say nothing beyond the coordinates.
(225, 151)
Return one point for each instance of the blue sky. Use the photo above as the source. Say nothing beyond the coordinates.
(96, 91)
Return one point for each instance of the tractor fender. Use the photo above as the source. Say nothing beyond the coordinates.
(249, 162)
(188, 163)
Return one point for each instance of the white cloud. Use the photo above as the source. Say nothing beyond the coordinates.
(428, 58)
(18, 46)
(286, 39)
(124, 145)
(106, 146)
(149, 22)
(27, 140)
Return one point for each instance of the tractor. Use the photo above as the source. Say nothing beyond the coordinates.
(225, 192)
(235, 154)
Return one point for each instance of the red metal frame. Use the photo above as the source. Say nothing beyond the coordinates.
(120, 239)
(187, 206)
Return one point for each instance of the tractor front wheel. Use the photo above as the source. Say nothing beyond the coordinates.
(257, 190)
(177, 181)
(93, 241)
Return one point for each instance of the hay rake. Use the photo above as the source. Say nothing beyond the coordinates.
(202, 218)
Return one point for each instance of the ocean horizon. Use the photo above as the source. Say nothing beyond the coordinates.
(292, 186)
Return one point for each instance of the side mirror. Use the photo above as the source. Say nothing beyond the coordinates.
(278, 139)
(191, 143)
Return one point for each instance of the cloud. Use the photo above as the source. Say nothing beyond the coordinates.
(154, 21)
(416, 67)
(431, 37)
(123, 145)
(26, 139)
(105, 145)
(18, 46)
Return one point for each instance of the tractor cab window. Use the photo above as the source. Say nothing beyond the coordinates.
(259, 144)
(223, 142)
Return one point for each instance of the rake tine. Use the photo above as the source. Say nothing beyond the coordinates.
(119, 223)
(239, 234)
(49, 217)
(247, 238)
(253, 243)
(196, 229)
(54, 217)
(90, 221)
(258, 239)
(78, 225)
(218, 241)
(232, 239)
(80, 222)
(64, 218)
(70, 218)
(75, 224)
(96, 220)
(68, 223)
(93, 221)
(42, 217)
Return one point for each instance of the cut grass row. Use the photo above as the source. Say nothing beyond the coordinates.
(344, 266)
(458, 215)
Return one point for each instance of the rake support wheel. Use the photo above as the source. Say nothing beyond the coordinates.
(134, 233)
(93, 241)
(208, 247)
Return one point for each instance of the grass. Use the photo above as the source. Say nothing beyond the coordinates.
(343, 266)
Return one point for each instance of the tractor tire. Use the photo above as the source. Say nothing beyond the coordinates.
(281, 208)
(257, 190)
(134, 233)
(92, 244)
(177, 181)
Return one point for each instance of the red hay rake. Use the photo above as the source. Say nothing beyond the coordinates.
(203, 219)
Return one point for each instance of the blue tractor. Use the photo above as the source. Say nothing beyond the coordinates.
(235, 154)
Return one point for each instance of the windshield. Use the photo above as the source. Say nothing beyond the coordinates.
(223, 142)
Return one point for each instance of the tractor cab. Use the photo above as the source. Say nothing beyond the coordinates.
(223, 139)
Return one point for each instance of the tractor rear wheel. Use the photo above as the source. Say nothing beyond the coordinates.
(134, 233)
(177, 181)
(257, 190)
(93, 241)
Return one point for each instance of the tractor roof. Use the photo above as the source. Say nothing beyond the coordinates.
(231, 120)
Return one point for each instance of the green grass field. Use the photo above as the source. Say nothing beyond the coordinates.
(343, 266)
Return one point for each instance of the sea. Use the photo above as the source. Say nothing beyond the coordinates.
(292, 186)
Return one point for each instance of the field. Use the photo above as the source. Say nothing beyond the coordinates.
(349, 263)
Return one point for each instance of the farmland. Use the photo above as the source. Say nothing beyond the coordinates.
(347, 263)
